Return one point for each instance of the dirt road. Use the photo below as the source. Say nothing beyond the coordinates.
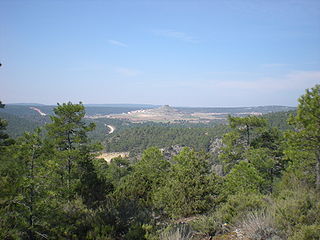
(112, 128)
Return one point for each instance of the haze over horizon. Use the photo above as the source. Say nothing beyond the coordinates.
(181, 53)
(144, 105)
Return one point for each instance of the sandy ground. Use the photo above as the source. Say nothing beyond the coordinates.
(109, 156)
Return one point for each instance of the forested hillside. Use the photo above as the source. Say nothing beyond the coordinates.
(264, 182)
(18, 125)
(139, 138)
(238, 110)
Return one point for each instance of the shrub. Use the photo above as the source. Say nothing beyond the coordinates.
(311, 232)
(208, 225)
(240, 204)
(177, 232)
(136, 232)
(296, 209)
(243, 178)
(229, 213)
(258, 226)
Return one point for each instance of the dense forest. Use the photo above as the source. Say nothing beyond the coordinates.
(252, 178)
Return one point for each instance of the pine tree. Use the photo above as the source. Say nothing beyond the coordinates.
(69, 134)
(25, 187)
(4, 137)
(189, 188)
(306, 136)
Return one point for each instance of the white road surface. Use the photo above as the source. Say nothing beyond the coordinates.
(112, 128)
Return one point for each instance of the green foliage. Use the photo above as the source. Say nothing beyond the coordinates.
(270, 138)
(266, 164)
(180, 231)
(189, 188)
(300, 170)
(140, 137)
(279, 120)
(232, 151)
(229, 213)
(209, 224)
(307, 232)
(244, 177)
(22, 119)
(308, 111)
(296, 209)
(239, 204)
(146, 177)
(52, 186)
(4, 137)
(258, 225)
(67, 127)
(245, 125)
(25, 189)
(307, 122)
(113, 172)
(247, 132)
(68, 131)
(136, 232)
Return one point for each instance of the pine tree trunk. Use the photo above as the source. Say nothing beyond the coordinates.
(30, 231)
(248, 135)
(318, 171)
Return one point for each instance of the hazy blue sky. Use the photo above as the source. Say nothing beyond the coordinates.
(182, 53)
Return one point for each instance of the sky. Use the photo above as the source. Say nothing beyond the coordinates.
(182, 53)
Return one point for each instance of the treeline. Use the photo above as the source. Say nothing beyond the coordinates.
(264, 184)
(18, 125)
(139, 138)
(279, 119)
(20, 122)
(237, 110)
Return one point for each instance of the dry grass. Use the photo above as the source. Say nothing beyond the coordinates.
(257, 226)
(180, 232)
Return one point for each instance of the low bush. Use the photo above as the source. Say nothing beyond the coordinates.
(311, 232)
(258, 226)
(177, 232)
(230, 212)
(295, 210)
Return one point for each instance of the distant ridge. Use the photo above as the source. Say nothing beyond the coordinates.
(122, 105)
(27, 104)
(267, 108)
(230, 110)
(166, 109)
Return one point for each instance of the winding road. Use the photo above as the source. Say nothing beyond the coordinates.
(38, 111)
(112, 128)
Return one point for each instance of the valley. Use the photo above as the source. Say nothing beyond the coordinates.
(201, 169)
(168, 114)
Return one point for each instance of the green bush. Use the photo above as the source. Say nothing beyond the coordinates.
(229, 213)
(258, 226)
(177, 232)
(295, 209)
(240, 204)
(311, 232)
(189, 187)
(243, 178)
(209, 225)
(136, 232)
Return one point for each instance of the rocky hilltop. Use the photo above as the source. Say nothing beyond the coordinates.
(167, 113)
(162, 114)
(166, 109)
